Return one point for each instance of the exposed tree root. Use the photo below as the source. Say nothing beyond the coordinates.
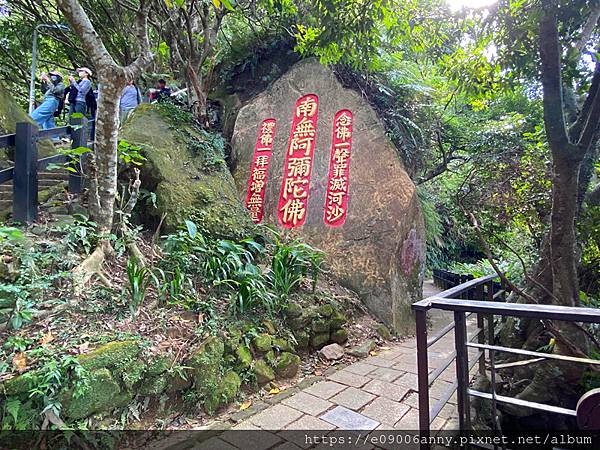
(90, 266)
(136, 253)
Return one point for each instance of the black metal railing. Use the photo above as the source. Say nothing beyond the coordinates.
(445, 280)
(24, 173)
(477, 297)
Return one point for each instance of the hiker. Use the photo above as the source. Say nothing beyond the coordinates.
(130, 98)
(53, 88)
(83, 87)
(164, 93)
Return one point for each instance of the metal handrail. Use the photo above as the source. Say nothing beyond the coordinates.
(485, 307)
(532, 311)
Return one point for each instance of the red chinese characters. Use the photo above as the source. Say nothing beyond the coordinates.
(293, 198)
(260, 167)
(336, 200)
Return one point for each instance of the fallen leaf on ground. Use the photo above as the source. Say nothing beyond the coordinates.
(373, 353)
(83, 348)
(318, 373)
(20, 362)
(245, 405)
(275, 390)
(48, 337)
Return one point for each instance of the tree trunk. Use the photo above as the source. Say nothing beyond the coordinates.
(112, 82)
(563, 250)
(199, 97)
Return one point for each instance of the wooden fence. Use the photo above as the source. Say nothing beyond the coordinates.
(24, 173)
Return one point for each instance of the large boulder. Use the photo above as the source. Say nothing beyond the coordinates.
(379, 252)
(187, 172)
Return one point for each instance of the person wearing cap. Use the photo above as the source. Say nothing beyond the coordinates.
(53, 89)
(83, 86)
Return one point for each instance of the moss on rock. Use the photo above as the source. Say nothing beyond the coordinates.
(339, 336)
(232, 339)
(103, 393)
(263, 372)
(243, 357)
(383, 332)
(205, 365)
(337, 321)
(188, 184)
(153, 386)
(320, 326)
(263, 343)
(224, 393)
(287, 365)
(302, 339)
(20, 384)
(293, 310)
(117, 355)
(283, 345)
(325, 310)
(319, 340)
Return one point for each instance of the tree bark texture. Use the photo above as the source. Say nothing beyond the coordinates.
(112, 79)
(568, 148)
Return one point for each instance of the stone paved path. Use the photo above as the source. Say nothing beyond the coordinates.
(376, 393)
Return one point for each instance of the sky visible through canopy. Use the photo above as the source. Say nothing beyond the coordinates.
(458, 4)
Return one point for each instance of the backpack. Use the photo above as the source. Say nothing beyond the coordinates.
(60, 107)
(90, 101)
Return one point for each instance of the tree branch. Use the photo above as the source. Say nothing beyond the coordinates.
(145, 57)
(588, 29)
(552, 82)
(84, 29)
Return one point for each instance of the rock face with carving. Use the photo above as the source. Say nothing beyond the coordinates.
(361, 208)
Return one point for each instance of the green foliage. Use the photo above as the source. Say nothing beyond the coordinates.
(211, 148)
(82, 234)
(173, 287)
(37, 272)
(291, 263)
(590, 378)
(130, 154)
(73, 156)
(139, 280)
(234, 267)
(10, 233)
(56, 375)
(175, 114)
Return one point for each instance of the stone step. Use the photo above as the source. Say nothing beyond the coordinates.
(54, 175)
(46, 182)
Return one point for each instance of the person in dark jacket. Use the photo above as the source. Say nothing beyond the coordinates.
(53, 88)
(164, 93)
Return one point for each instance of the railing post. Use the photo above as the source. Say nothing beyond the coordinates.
(25, 181)
(462, 370)
(423, 376)
(480, 296)
(79, 136)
